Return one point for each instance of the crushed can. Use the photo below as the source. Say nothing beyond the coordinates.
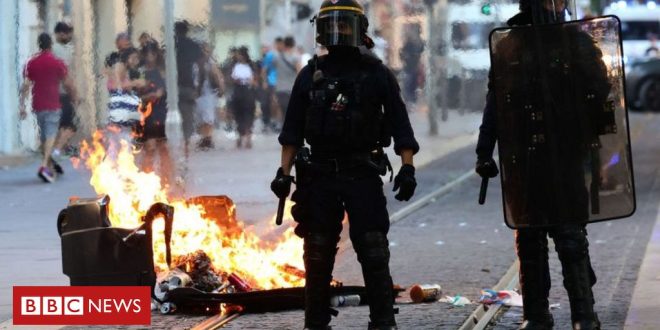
(420, 293)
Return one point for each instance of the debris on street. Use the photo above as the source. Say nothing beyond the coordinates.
(420, 293)
(457, 300)
(505, 297)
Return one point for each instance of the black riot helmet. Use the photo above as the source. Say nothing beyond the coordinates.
(547, 11)
(342, 23)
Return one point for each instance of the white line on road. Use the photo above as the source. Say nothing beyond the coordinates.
(418, 204)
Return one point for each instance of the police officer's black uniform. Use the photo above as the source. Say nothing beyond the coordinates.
(347, 106)
(570, 239)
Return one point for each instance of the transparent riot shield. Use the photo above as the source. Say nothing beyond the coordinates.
(563, 136)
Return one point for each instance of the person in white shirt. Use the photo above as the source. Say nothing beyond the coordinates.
(63, 49)
(243, 99)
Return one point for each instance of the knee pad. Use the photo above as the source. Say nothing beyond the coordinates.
(319, 246)
(571, 242)
(372, 248)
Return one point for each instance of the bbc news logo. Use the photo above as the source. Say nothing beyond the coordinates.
(82, 305)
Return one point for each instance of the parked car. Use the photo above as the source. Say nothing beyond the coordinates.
(643, 84)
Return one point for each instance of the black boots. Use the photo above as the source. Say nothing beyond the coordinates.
(532, 248)
(320, 250)
(573, 249)
(374, 255)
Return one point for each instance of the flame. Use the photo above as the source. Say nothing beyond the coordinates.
(145, 113)
(231, 247)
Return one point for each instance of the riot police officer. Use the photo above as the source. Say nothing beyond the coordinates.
(535, 88)
(347, 106)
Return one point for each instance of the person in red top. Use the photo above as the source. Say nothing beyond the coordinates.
(43, 74)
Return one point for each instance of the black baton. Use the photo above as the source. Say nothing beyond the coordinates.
(280, 211)
(482, 192)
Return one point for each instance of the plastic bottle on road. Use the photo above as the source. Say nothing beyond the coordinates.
(342, 301)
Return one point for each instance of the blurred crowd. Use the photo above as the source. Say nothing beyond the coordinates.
(229, 95)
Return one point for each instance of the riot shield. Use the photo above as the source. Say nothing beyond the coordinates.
(563, 138)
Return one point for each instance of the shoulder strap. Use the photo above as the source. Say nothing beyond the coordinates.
(288, 64)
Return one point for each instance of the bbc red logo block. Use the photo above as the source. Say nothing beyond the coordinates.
(82, 305)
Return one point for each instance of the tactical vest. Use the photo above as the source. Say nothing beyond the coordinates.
(345, 113)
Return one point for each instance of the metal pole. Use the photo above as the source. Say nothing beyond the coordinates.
(170, 62)
(288, 16)
(430, 77)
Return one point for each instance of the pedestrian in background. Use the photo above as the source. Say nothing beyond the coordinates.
(43, 75)
(243, 98)
(154, 100)
(209, 85)
(188, 52)
(123, 104)
(411, 56)
(269, 74)
(63, 49)
(287, 64)
(122, 42)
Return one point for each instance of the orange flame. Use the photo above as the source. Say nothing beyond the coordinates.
(233, 249)
(145, 113)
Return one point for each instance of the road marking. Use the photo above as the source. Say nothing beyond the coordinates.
(482, 315)
(216, 322)
(419, 203)
(643, 310)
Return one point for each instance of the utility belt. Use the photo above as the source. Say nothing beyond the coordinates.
(348, 163)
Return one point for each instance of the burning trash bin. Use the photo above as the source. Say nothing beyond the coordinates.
(95, 253)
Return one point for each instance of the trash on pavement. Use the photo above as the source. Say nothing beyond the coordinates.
(425, 292)
(457, 300)
(505, 297)
(343, 301)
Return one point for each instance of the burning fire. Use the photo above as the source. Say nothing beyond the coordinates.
(233, 250)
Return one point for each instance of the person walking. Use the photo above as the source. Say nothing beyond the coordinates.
(209, 85)
(63, 49)
(287, 65)
(43, 75)
(269, 77)
(347, 106)
(154, 117)
(188, 52)
(243, 98)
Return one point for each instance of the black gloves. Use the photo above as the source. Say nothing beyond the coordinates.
(486, 168)
(281, 185)
(406, 181)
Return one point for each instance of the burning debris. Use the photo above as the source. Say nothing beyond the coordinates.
(197, 266)
(205, 257)
(207, 223)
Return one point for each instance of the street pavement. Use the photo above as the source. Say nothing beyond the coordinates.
(28, 237)
(617, 247)
(452, 241)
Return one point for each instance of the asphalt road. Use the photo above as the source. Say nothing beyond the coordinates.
(465, 247)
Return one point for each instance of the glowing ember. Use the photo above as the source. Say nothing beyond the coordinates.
(231, 247)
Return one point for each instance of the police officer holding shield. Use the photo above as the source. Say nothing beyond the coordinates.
(550, 109)
(347, 106)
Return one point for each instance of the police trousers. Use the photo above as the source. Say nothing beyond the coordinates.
(324, 198)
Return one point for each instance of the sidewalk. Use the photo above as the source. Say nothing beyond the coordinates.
(29, 240)
(643, 311)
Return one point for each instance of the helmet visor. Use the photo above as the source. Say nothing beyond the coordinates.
(338, 28)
